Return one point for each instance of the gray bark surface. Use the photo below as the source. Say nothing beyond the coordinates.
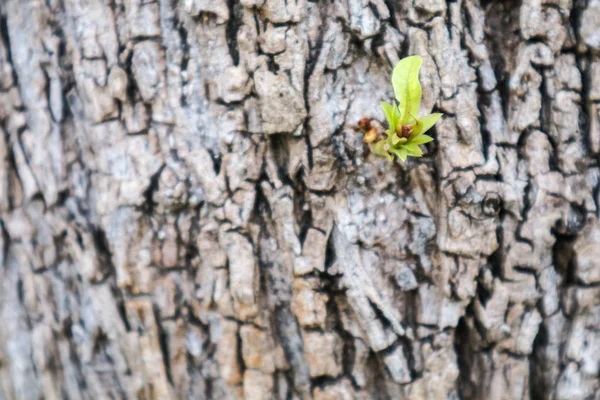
(187, 209)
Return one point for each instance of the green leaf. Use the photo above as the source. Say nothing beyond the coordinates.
(413, 149)
(407, 87)
(425, 123)
(421, 139)
(395, 139)
(378, 149)
(401, 153)
(391, 114)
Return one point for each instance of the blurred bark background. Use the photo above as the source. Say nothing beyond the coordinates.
(187, 209)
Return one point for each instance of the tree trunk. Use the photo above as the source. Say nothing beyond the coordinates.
(187, 209)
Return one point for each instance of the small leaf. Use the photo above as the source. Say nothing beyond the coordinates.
(391, 114)
(378, 149)
(426, 123)
(395, 139)
(413, 149)
(407, 87)
(421, 139)
(401, 153)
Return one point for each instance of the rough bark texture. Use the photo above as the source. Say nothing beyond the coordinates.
(187, 210)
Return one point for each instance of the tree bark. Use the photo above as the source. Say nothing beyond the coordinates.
(187, 209)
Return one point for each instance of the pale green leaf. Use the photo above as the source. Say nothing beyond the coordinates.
(391, 114)
(395, 139)
(421, 139)
(413, 149)
(425, 123)
(378, 148)
(407, 87)
(401, 153)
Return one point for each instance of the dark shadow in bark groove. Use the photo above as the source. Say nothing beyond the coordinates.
(538, 385)
(5, 240)
(104, 255)
(11, 166)
(279, 144)
(236, 9)
(471, 380)
(148, 194)
(5, 37)
(121, 308)
(501, 39)
(464, 358)
(562, 258)
(330, 256)
(163, 341)
(391, 6)
(302, 209)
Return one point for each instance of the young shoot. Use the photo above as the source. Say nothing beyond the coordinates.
(406, 129)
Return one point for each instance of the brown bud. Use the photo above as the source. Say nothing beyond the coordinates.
(406, 131)
(365, 123)
(370, 136)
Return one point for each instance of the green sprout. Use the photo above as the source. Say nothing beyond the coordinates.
(406, 130)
